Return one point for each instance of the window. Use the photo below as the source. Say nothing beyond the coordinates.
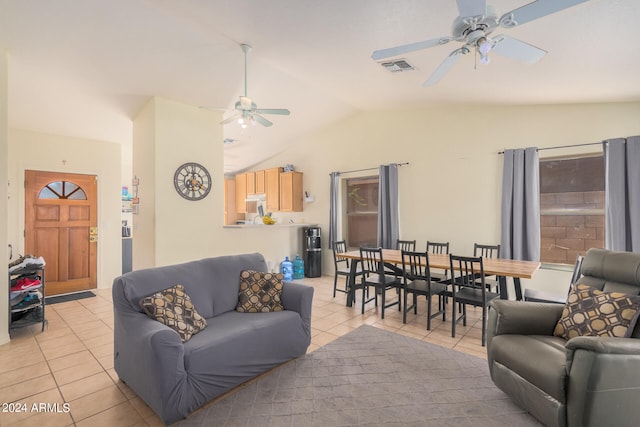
(571, 207)
(362, 211)
(62, 190)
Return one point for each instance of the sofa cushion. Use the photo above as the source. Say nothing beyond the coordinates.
(260, 292)
(590, 312)
(173, 307)
(539, 359)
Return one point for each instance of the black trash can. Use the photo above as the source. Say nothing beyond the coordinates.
(312, 244)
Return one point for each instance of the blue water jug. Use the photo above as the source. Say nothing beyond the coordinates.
(286, 268)
(298, 268)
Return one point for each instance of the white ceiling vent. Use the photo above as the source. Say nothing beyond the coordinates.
(397, 66)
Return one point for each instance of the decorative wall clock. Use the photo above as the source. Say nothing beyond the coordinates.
(192, 181)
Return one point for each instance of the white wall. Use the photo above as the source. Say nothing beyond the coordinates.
(170, 229)
(4, 194)
(451, 189)
(37, 151)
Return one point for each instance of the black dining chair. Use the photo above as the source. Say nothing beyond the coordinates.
(417, 281)
(406, 245)
(401, 245)
(342, 267)
(438, 248)
(374, 275)
(488, 251)
(468, 288)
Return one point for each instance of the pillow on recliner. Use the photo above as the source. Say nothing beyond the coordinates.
(260, 292)
(590, 312)
(173, 307)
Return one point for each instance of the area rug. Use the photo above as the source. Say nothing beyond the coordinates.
(370, 377)
(68, 297)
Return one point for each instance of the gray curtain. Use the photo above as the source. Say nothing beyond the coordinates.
(334, 208)
(622, 194)
(520, 227)
(388, 223)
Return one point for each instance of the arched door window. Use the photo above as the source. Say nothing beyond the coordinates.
(62, 190)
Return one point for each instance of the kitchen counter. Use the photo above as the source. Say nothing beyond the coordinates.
(276, 225)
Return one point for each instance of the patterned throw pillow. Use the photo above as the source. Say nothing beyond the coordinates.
(590, 312)
(260, 292)
(178, 296)
(173, 307)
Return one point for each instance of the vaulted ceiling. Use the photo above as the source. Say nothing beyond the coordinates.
(84, 68)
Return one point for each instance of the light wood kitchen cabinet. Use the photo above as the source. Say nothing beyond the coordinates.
(260, 188)
(291, 192)
(272, 189)
(230, 214)
(251, 183)
(241, 192)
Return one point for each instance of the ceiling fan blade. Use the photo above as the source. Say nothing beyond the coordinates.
(535, 10)
(231, 118)
(264, 122)
(411, 47)
(472, 7)
(517, 49)
(281, 111)
(445, 66)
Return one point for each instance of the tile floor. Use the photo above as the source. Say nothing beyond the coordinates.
(72, 360)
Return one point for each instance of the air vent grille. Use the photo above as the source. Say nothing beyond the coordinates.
(397, 66)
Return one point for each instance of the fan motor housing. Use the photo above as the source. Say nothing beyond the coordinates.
(463, 26)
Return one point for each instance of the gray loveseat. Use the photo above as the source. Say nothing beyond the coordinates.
(176, 378)
(583, 381)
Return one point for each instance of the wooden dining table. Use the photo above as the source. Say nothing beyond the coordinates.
(501, 268)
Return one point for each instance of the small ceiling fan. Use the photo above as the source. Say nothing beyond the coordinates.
(247, 110)
(473, 27)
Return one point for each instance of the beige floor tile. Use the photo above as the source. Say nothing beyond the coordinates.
(53, 352)
(97, 341)
(27, 388)
(154, 421)
(106, 361)
(126, 390)
(88, 367)
(143, 409)
(9, 361)
(94, 403)
(21, 343)
(323, 338)
(49, 418)
(52, 415)
(69, 360)
(53, 334)
(324, 324)
(87, 326)
(103, 350)
(312, 347)
(87, 385)
(100, 330)
(23, 373)
(340, 330)
(121, 415)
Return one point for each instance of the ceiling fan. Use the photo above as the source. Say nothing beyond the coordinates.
(247, 110)
(473, 27)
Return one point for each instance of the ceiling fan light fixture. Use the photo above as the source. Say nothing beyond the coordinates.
(484, 46)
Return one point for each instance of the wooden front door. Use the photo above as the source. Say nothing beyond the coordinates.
(61, 226)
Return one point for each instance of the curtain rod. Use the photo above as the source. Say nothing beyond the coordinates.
(369, 169)
(564, 146)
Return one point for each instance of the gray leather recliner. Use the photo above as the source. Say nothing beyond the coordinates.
(585, 381)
